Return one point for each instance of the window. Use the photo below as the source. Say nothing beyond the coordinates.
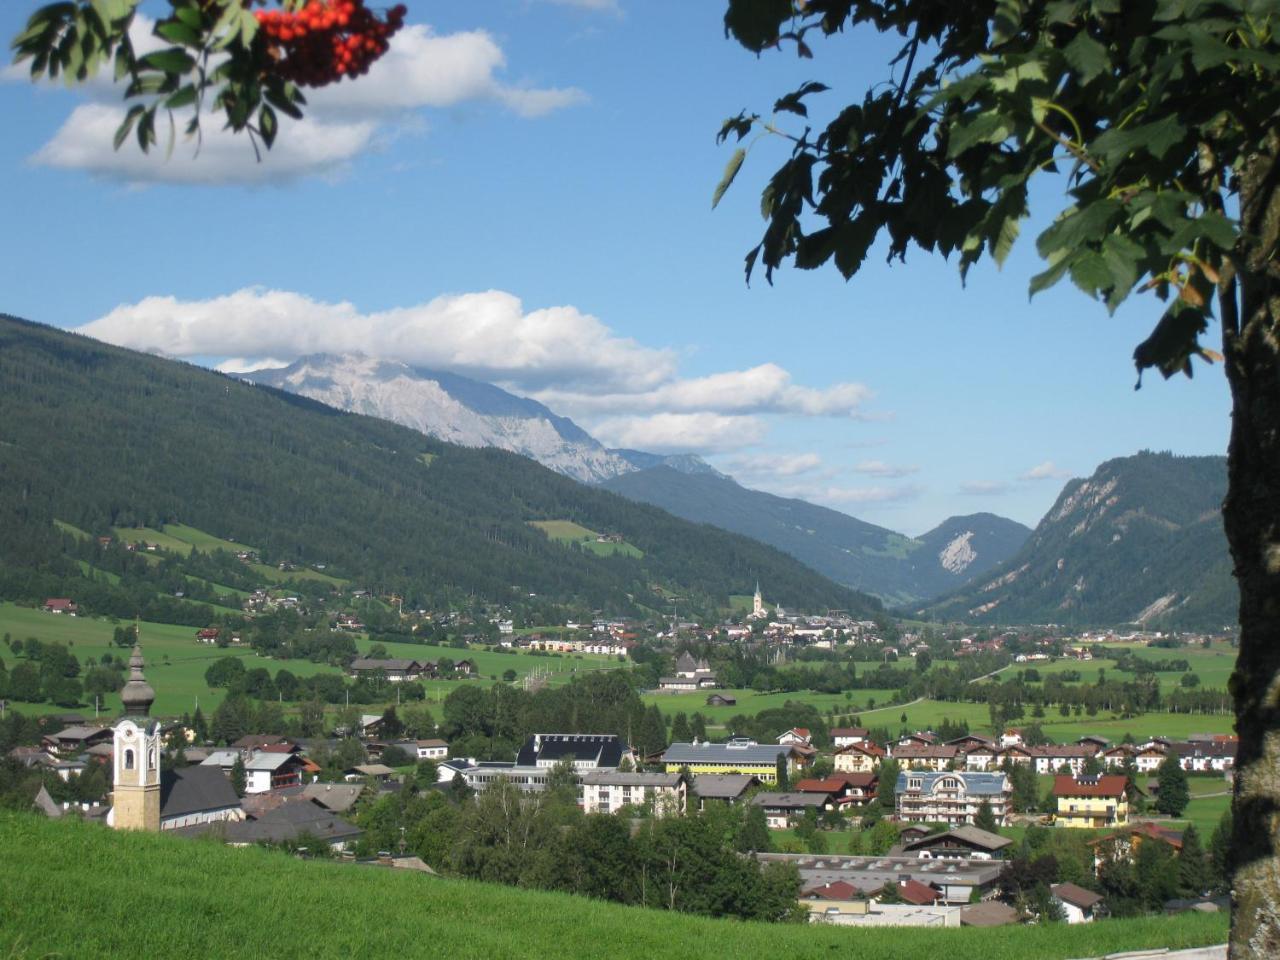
(128, 759)
(151, 759)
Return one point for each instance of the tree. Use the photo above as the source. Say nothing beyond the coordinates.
(1174, 794)
(985, 818)
(1161, 118)
(681, 732)
(754, 835)
(263, 58)
(1195, 876)
(239, 780)
(1220, 853)
(887, 791)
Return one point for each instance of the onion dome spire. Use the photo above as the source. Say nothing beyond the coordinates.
(137, 694)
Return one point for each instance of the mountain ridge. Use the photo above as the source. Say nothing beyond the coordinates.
(1139, 541)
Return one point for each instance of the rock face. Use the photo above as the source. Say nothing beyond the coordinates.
(449, 407)
(1140, 542)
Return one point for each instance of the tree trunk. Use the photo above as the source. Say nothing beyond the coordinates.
(1251, 514)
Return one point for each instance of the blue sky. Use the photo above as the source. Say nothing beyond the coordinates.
(521, 192)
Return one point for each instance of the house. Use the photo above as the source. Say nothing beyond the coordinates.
(863, 787)
(377, 771)
(586, 751)
(76, 739)
(1149, 758)
(608, 791)
(983, 757)
(464, 667)
(689, 675)
(836, 789)
(959, 843)
(291, 821)
(796, 737)
(61, 605)
(951, 797)
(783, 810)
(393, 670)
(1092, 802)
(915, 892)
(1078, 904)
(1051, 758)
(739, 755)
(861, 757)
(432, 749)
(727, 788)
(1012, 737)
(336, 797)
(1124, 844)
(926, 756)
(848, 736)
(267, 770)
(207, 635)
(721, 700)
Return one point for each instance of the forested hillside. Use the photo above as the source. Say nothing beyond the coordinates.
(862, 555)
(1140, 541)
(101, 437)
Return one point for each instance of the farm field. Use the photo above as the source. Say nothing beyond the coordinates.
(161, 539)
(199, 540)
(1175, 725)
(566, 531)
(276, 575)
(1212, 665)
(752, 701)
(270, 904)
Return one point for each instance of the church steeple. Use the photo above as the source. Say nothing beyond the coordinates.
(137, 695)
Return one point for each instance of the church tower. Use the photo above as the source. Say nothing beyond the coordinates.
(757, 606)
(136, 766)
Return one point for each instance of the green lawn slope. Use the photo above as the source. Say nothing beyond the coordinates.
(80, 890)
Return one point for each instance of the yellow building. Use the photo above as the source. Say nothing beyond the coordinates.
(737, 756)
(1092, 802)
(135, 793)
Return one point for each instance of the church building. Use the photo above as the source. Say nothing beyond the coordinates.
(144, 797)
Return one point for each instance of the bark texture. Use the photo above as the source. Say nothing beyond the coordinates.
(1250, 313)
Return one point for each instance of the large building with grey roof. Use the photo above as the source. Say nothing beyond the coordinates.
(951, 797)
(737, 756)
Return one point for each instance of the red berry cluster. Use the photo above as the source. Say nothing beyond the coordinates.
(327, 39)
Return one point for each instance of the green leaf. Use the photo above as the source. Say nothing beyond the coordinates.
(1087, 56)
(173, 60)
(756, 23)
(183, 98)
(730, 171)
(267, 125)
(1089, 272)
(130, 118)
(985, 127)
(177, 32)
(1175, 339)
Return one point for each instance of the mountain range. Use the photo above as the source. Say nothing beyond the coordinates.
(853, 552)
(99, 437)
(1141, 541)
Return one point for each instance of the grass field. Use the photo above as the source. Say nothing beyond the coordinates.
(276, 575)
(204, 542)
(161, 539)
(1212, 665)
(566, 531)
(751, 702)
(71, 529)
(192, 899)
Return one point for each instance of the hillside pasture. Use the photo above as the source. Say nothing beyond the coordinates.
(164, 541)
(566, 531)
(190, 900)
(204, 542)
(752, 702)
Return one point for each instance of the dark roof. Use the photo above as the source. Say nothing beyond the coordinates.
(913, 891)
(991, 913)
(966, 836)
(604, 748)
(193, 789)
(1076, 896)
(289, 821)
(722, 786)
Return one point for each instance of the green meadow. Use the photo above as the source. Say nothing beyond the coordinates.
(93, 892)
(566, 531)
(752, 701)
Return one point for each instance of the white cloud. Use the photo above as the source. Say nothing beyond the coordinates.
(1045, 471)
(307, 147)
(236, 365)
(422, 70)
(834, 495)
(763, 389)
(774, 464)
(485, 335)
(988, 488)
(681, 432)
(878, 468)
